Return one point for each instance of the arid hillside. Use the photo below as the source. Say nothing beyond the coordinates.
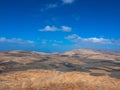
(80, 69)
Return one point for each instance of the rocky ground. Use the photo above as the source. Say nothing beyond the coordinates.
(80, 69)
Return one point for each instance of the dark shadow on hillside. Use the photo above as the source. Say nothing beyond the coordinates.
(47, 64)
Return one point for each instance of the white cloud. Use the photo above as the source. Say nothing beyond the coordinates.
(117, 42)
(77, 39)
(15, 40)
(55, 5)
(68, 1)
(98, 40)
(49, 28)
(53, 29)
(2, 39)
(44, 41)
(66, 28)
(74, 36)
(55, 44)
(49, 6)
(51, 41)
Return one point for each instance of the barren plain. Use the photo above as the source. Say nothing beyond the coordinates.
(80, 69)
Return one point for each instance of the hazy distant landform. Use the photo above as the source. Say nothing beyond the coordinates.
(80, 69)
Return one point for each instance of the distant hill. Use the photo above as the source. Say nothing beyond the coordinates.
(96, 66)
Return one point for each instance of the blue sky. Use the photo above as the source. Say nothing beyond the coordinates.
(59, 25)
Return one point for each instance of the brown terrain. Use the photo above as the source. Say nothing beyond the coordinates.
(80, 69)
